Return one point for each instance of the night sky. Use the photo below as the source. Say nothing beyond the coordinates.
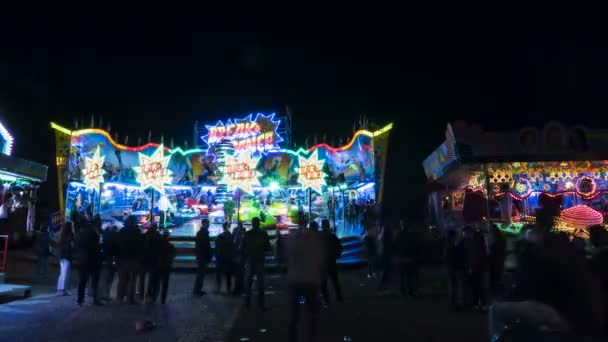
(418, 67)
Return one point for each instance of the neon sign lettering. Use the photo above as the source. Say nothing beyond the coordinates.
(153, 171)
(93, 172)
(240, 172)
(256, 135)
(310, 172)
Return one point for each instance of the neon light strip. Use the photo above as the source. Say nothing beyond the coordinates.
(120, 146)
(345, 147)
(8, 138)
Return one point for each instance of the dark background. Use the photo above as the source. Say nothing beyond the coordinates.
(421, 66)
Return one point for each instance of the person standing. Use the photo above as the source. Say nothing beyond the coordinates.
(131, 246)
(149, 267)
(332, 251)
(66, 247)
(223, 258)
(369, 241)
(90, 262)
(255, 245)
(239, 261)
(42, 251)
(202, 249)
(386, 238)
(305, 266)
(109, 250)
(498, 254)
(166, 255)
(477, 269)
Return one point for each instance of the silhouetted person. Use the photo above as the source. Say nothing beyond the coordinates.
(90, 262)
(332, 251)
(131, 248)
(202, 249)
(42, 251)
(305, 265)
(598, 237)
(498, 254)
(386, 238)
(477, 269)
(255, 245)
(408, 250)
(166, 255)
(149, 268)
(65, 243)
(224, 258)
(454, 260)
(239, 261)
(109, 249)
(369, 242)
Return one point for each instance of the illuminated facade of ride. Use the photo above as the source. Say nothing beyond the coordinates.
(238, 171)
(511, 177)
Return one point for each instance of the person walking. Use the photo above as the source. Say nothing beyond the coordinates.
(255, 245)
(332, 251)
(202, 249)
(130, 242)
(42, 251)
(166, 255)
(90, 262)
(239, 261)
(407, 250)
(306, 263)
(65, 244)
(224, 258)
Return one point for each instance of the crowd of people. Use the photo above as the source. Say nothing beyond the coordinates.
(142, 261)
(557, 284)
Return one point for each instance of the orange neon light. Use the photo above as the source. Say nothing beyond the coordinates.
(114, 143)
(345, 147)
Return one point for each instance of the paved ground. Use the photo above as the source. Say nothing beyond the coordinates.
(364, 316)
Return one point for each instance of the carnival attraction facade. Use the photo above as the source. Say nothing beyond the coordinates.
(19, 180)
(511, 177)
(238, 170)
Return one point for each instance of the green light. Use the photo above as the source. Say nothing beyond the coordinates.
(512, 228)
(184, 153)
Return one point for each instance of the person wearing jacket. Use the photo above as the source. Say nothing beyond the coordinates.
(332, 251)
(202, 249)
(255, 245)
(149, 266)
(66, 247)
(90, 262)
(305, 265)
(223, 258)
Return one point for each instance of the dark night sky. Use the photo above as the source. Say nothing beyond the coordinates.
(419, 67)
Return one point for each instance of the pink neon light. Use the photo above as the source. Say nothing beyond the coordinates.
(581, 215)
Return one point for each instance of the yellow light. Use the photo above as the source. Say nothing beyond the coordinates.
(383, 129)
(60, 129)
(569, 185)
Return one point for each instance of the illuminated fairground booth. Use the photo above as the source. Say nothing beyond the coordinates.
(561, 171)
(238, 166)
(19, 180)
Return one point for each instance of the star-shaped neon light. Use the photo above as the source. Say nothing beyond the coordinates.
(93, 172)
(241, 172)
(153, 171)
(310, 172)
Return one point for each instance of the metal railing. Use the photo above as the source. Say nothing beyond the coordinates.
(3, 252)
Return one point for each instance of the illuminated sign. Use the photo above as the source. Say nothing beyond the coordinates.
(152, 171)
(6, 141)
(93, 172)
(240, 172)
(256, 135)
(310, 172)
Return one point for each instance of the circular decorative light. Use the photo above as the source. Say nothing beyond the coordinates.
(586, 187)
(581, 216)
(521, 188)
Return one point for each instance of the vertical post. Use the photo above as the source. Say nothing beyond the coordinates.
(99, 206)
(238, 207)
(152, 207)
(487, 181)
(309, 206)
(333, 205)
